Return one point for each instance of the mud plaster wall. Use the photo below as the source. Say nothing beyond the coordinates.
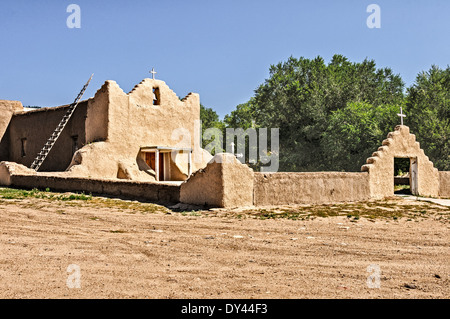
(309, 188)
(444, 187)
(4, 146)
(160, 193)
(131, 121)
(7, 110)
(37, 126)
(224, 182)
(380, 166)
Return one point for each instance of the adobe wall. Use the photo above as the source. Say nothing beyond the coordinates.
(224, 182)
(123, 123)
(7, 110)
(444, 184)
(4, 145)
(37, 126)
(153, 192)
(380, 166)
(16, 175)
(309, 188)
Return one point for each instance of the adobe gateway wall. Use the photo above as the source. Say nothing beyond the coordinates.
(444, 184)
(401, 144)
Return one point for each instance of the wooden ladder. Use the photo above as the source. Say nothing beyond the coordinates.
(40, 158)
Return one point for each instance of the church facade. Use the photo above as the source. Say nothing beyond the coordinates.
(148, 134)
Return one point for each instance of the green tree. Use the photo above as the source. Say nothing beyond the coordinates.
(242, 117)
(428, 114)
(355, 132)
(301, 95)
(210, 119)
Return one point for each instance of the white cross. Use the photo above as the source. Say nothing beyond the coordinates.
(401, 115)
(153, 72)
(232, 147)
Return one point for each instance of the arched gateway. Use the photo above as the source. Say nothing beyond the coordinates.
(424, 177)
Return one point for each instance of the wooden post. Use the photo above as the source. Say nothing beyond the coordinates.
(189, 163)
(157, 164)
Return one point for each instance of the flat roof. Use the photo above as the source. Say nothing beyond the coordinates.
(164, 148)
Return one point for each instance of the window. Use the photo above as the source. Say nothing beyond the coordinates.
(156, 97)
(24, 147)
(74, 144)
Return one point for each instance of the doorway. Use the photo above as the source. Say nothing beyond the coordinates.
(150, 159)
(405, 176)
(413, 176)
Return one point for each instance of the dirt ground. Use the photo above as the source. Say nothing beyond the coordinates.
(132, 250)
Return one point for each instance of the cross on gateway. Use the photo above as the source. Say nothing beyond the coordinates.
(153, 72)
(401, 115)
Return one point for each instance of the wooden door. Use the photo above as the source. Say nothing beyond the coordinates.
(150, 159)
(413, 177)
(161, 167)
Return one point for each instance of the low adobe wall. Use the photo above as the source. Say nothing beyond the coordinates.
(444, 184)
(224, 182)
(160, 193)
(309, 188)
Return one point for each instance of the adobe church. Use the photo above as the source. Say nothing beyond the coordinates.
(112, 135)
(137, 144)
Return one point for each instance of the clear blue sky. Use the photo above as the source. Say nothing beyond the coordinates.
(219, 49)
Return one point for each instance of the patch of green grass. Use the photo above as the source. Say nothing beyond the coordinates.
(80, 199)
(128, 206)
(194, 213)
(12, 193)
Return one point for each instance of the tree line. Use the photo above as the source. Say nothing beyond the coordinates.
(333, 116)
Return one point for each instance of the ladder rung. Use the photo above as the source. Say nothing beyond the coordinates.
(52, 140)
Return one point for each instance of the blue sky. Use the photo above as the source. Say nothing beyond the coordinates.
(219, 49)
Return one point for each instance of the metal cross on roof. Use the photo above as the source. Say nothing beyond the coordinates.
(153, 72)
(401, 115)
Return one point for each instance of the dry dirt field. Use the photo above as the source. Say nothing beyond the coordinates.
(127, 249)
